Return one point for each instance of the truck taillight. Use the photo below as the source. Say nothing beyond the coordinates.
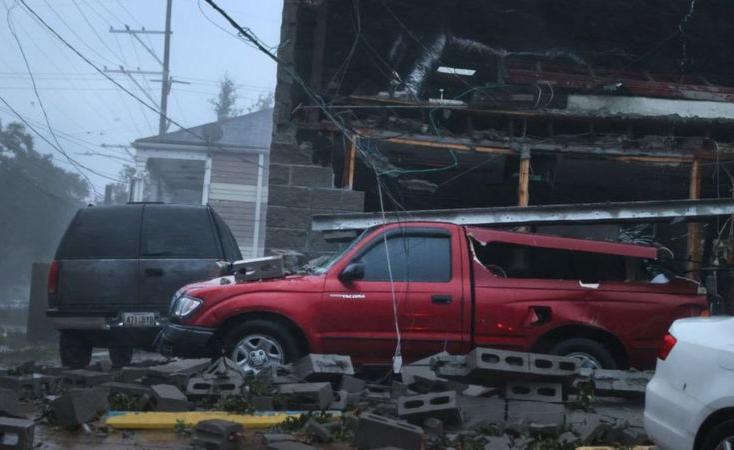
(669, 342)
(53, 278)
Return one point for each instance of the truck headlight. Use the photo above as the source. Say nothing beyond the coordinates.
(184, 306)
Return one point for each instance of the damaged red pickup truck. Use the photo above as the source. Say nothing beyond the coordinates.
(454, 288)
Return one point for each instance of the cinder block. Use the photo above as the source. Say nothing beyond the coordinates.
(16, 434)
(317, 431)
(498, 443)
(167, 397)
(219, 434)
(352, 385)
(315, 367)
(488, 363)
(272, 438)
(289, 196)
(213, 387)
(114, 387)
(79, 406)
(341, 401)
(478, 411)
(306, 396)
(375, 431)
(442, 405)
(312, 176)
(534, 391)
(553, 366)
(620, 383)
(521, 412)
(29, 386)
(10, 404)
(261, 403)
(177, 372)
(131, 374)
(82, 378)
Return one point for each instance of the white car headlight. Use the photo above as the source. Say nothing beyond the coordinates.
(185, 306)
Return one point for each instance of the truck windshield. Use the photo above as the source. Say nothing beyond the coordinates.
(326, 265)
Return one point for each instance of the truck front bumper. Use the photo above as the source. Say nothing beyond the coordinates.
(185, 341)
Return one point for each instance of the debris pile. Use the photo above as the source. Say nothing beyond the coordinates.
(491, 399)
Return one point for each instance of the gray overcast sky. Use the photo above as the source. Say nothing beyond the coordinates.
(87, 110)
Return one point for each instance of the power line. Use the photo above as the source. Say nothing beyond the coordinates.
(41, 104)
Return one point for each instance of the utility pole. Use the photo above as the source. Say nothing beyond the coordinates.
(166, 80)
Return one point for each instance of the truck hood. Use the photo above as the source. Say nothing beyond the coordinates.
(221, 288)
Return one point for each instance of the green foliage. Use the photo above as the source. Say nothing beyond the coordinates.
(234, 404)
(124, 402)
(295, 423)
(584, 397)
(225, 105)
(181, 427)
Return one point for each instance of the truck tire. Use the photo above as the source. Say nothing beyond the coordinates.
(257, 343)
(120, 355)
(719, 436)
(75, 351)
(590, 352)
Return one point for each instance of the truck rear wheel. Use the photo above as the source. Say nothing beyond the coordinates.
(257, 344)
(75, 351)
(591, 353)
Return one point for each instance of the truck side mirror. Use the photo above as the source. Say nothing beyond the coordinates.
(354, 271)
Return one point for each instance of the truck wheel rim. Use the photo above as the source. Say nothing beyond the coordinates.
(256, 352)
(726, 444)
(586, 360)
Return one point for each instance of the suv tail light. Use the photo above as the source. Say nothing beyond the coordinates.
(53, 278)
(669, 342)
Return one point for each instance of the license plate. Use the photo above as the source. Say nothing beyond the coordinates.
(139, 319)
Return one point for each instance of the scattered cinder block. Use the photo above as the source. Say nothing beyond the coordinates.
(219, 434)
(317, 431)
(10, 404)
(167, 397)
(133, 389)
(449, 366)
(272, 438)
(214, 387)
(79, 406)
(341, 401)
(550, 366)
(522, 412)
(261, 403)
(485, 364)
(433, 426)
(131, 374)
(479, 411)
(534, 391)
(442, 405)
(177, 372)
(16, 434)
(375, 431)
(316, 367)
(29, 386)
(352, 385)
(83, 378)
(306, 396)
(290, 445)
(620, 383)
(588, 426)
(502, 442)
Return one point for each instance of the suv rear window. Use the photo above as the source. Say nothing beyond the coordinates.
(102, 233)
(171, 231)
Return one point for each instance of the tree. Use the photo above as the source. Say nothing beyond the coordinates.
(264, 101)
(121, 189)
(225, 105)
(38, 199)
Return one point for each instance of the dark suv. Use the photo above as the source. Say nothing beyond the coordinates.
(117, 268)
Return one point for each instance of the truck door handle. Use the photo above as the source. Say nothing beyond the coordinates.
(441, 299)
(154, 272)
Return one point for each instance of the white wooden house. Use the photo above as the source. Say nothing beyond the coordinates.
(223, 164)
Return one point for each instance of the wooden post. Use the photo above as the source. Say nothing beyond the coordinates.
(694, 229)
(350, 160)
(523, 186)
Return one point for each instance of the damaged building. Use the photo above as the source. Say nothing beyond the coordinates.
(420, 105)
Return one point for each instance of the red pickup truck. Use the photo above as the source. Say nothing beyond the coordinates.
(453, 288)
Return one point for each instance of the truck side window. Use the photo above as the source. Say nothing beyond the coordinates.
(89, 236)
(521, 261)
(412, 258)
(177, 232)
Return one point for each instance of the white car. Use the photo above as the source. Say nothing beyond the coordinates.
(689, 404)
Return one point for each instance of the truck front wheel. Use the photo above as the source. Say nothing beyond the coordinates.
(257, 344)
(75, 351)
(591, 353)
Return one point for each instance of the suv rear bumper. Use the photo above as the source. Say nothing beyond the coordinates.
(185, 341)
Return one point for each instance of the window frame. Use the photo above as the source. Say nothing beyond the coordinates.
(407, 233)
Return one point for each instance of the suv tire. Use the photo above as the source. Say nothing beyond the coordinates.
(717, 435)
(588, 349)
(120, 355)
(75, 351)
(260, 334)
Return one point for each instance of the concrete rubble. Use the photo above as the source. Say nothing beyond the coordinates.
(487, 399)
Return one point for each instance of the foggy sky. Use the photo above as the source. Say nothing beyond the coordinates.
(87, 110)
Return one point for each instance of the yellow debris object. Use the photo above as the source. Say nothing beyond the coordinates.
(168, 420)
